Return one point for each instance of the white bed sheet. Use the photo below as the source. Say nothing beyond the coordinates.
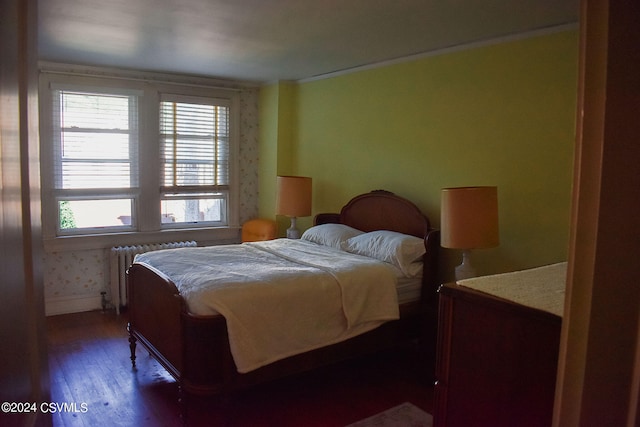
(334, 295)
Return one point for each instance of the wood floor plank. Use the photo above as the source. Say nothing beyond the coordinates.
(89, 363)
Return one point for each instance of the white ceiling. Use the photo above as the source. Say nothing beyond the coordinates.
(268, 40)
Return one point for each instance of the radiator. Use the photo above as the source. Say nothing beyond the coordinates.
(121, 258)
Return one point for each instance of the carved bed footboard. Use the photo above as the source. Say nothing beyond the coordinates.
(195, 349)
(155, 309)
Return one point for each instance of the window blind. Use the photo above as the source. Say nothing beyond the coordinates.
(194, 139)
(95, 140)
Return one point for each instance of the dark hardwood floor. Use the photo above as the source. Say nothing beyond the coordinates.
(90, 367)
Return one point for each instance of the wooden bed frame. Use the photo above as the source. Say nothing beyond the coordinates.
(195, 349)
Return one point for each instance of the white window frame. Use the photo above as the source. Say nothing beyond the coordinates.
(148, 226)
(195, 192)
(57, 194)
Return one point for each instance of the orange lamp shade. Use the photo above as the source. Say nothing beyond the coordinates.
(294, 196)
(469, 218)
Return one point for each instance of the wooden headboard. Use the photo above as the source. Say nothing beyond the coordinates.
(383, 210)
(380, 210)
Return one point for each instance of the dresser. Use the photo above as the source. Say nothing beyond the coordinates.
(496, 358)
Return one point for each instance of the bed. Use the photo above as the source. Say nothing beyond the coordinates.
(498, 344)
(194, 336)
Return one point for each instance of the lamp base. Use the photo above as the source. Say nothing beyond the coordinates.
(293, 232)
(465, 270)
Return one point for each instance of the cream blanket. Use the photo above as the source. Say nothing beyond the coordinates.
(281, 297)
(541, 287)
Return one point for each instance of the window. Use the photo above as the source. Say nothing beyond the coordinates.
(137, 156)
(194, 144)
(95, 152)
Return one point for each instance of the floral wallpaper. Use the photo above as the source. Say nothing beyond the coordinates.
(80, 274)
(248, 154)
(75, 273)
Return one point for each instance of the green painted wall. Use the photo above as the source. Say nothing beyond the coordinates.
(276, 145)
(500, 115)
(268, 150)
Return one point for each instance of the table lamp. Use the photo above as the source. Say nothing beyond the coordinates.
(293, 200)
(469, 220)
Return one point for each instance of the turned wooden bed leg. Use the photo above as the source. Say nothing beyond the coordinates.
(132, 346)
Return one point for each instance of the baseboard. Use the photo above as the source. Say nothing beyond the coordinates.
(72, 304)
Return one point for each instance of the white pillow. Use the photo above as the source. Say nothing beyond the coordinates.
(330, 234)
(402, 250)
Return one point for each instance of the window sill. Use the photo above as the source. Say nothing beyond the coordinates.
(204, 236)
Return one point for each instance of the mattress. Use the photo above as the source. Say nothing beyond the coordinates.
(409, 289)
(542, 288)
